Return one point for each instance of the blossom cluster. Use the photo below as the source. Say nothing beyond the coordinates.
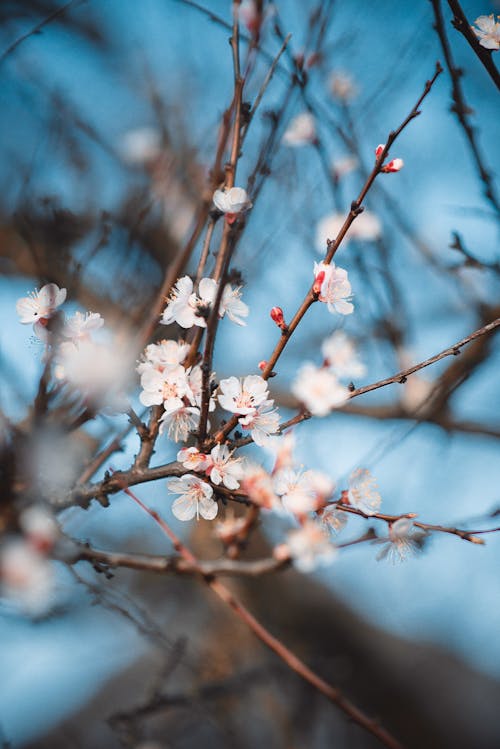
(188, 308)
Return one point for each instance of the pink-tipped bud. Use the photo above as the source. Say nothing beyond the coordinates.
(278, 317)
(393, 166)
(379, 150)
(318, 282)
(231, 218)
(262, 365)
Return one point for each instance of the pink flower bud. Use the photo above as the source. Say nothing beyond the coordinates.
(393, 166)
(379, 150)
(231, 218)
(262, 365)
(278, 317)
(318, 282)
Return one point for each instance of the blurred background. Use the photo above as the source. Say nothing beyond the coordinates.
(108, 131)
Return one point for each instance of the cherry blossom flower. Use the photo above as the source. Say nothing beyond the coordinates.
(167, 387)
(302, 492)
(192, 459)
(27, 578)
(222, 468)
(362, 492)
(342, 85)
(232, 201)
(39, 527)
(259, 487)
(401, 543)
(309, 547)
(232, 305)
(333, 287)
(242, 396)
(300, 131)
(195, 498)
(365, 228)
(39, 307)
(179, 424)
(184, 306)
(165, 354)
(340, 356)
(262, 423)
(195, 383)
(488, 32)
(81, 325)
(318, 389)
(333, 519)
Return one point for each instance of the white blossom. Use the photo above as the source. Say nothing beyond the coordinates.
(232, 305)
(195, 498)
(222, 468)
(81, 325)
(179, 424)
(301, 130)
(334, 288)
(168, 387)
(401, 543)
(309, 547)
(39, 526)
(242, 396)
(488, 32)
(318, 389)
(365, 228)
(234, 200)
(39, 307)
(302, 492)
(184, 305)
(333, 519)
(263, 422)
(193, 459)
(259, 487)
(195, 382)
(362, 492)
(27, 577)
(340, 356)
(165, 354)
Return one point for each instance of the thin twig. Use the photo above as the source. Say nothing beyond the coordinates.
(462, 25)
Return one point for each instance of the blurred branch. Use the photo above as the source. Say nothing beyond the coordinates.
(462, 25)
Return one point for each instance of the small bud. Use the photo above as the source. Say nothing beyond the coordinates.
(278, 317)
(318, 282)
(231, 218)
(262, 365)
(379, 150)
(393, 166)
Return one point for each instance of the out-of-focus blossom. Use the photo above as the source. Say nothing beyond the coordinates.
(342, 85)
(416, 390)
(309, 547)
(344, 166)
(302, 492)
(242, 396)
(333, 519)
(300, 131)
(488, 32)
(140, 146)
(39, 307)
(232, 201)
(365, 228)
(258, 485)
(179, 424)
(184, 305)
(192, 459)
(27, 578)
(249, 15)
(195, 498)
(401, 543)
(341, 357)
(262, 423)
(283, 449)
(318, 389)
(39, 527)
(333, 288)
(362, 492)
(223, 469)
(80, 326)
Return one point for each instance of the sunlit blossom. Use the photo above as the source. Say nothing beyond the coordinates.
(195, 498)
(168, 387)
(487, 31)
(363, 493)
(184, 306)
(301, 130)
(334, 288)
(223, 468)
(193, 459)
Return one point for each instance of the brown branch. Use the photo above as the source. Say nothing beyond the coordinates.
(462, 25)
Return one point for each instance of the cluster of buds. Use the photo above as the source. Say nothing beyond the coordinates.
(394, 165)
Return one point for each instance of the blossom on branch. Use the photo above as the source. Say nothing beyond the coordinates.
(401, 543)
(362, 493)
(223, 469)
(333, 288)
(365, 228)
(318, 389)
(232, 201)
(39, 307)
(192, 459)
(309, 547)
(179, 424)
(302, 492)
(262, 423)
(341, 357)
(300, 131)
(488, 32)
(184, 306)
(242, 396)
(333, 519)
(195, 498)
